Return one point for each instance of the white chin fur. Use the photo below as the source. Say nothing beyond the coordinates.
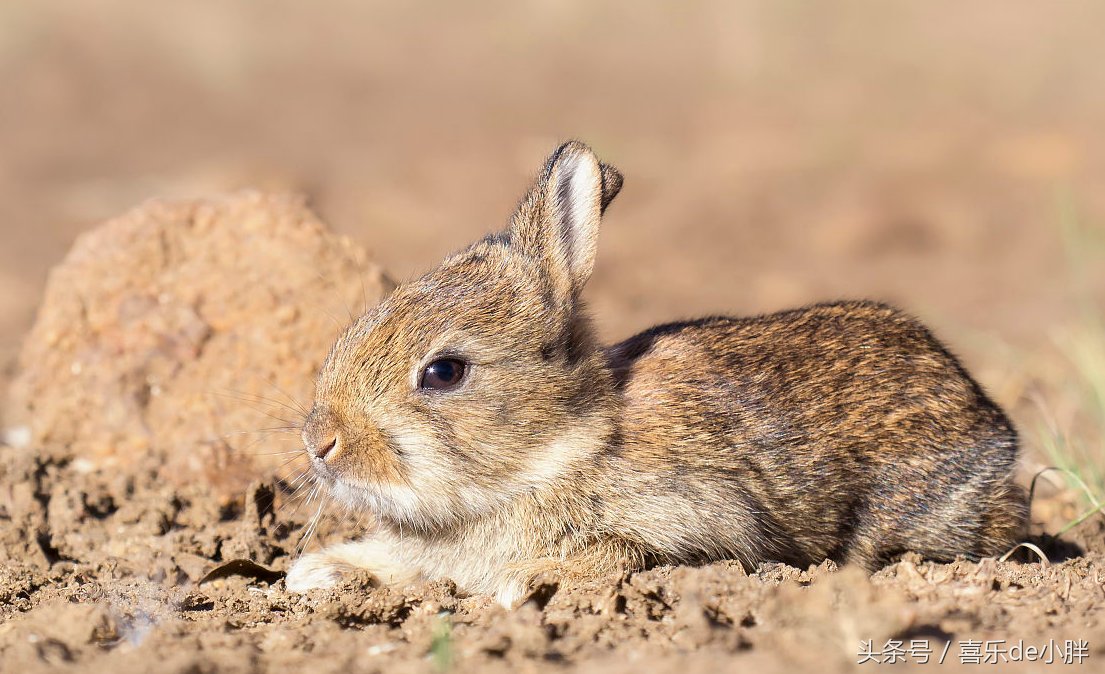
(395, 502)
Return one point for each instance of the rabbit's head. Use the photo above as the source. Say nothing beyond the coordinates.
(481, 380)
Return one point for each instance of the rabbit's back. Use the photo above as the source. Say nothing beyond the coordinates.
(841, 430)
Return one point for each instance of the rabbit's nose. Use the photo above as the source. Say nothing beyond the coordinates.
(323, 448)
(320, 435)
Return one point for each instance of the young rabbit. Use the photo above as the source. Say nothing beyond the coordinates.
(474, 414)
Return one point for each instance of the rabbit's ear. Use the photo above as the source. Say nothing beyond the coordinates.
(559, 223)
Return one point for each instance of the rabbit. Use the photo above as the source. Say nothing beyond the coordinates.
(494, 440)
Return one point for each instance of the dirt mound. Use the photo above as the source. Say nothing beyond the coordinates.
(172, 335)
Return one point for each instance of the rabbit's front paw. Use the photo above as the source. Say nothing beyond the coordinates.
(326, 568)
(313, 571)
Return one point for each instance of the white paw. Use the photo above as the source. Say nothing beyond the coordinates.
(510, 594)
(312, 571)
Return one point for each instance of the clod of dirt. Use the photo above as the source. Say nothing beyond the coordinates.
(59, 633)
(185, 334)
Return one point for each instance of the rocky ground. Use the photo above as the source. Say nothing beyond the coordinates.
(105, 571)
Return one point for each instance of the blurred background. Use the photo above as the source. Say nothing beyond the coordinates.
(944, 156)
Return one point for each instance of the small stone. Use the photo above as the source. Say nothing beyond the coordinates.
(18, 437)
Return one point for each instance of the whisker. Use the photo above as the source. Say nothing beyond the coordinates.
(328, 281)
(306, 502)
(297, 483)
(294, 483)
(257, 398)
(284, 453)
(364, 292)
(268, 429)
(312, 527)
(289, 460)
(262, 436)
(300, 479)
(246, 449)
(290, 423)
(295, 401)
(311, 496)
(332, 317)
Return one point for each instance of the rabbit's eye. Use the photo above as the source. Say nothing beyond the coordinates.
(443, 374)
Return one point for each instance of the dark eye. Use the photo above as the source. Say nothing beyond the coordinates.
(443, 374)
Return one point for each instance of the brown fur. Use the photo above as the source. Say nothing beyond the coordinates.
(842, 430)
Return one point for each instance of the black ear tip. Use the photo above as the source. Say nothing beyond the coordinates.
(611, 184)
(567, 149)
(611, 177)
(573, 145)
